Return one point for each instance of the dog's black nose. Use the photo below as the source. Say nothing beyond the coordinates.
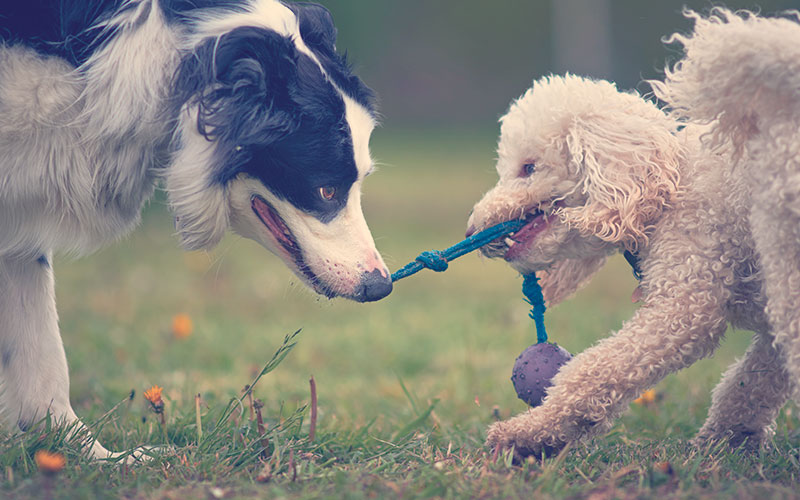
(374, 286)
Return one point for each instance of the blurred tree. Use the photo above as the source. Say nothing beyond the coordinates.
(459, 63)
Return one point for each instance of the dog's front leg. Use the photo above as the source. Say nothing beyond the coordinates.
(671, 331)
(35, 380)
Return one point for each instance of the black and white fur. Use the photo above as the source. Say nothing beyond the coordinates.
(243, 110)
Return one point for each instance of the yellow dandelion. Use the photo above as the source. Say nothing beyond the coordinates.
(181, 326)
(153, 396)
(49, 462)
(647, 397)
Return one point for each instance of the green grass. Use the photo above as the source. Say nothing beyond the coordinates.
(406, 386)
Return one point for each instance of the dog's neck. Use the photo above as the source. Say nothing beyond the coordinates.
(126, 80)
(126, 108)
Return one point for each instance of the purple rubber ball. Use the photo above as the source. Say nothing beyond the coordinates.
(534, 370)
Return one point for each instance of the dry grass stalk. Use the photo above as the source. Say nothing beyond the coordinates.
(312, 428)
(262, 430)
(198, 420)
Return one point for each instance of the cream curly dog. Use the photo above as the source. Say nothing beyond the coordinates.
(708, 200)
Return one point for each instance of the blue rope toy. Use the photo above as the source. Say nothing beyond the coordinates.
(535, 368)
(438, 260)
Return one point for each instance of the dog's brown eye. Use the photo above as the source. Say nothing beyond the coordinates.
(327, 192)
(528, 169)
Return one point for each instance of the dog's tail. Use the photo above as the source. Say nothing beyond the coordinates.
(740, 73)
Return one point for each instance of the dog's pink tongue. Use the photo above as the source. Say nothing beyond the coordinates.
(266, 216)
(524, 237)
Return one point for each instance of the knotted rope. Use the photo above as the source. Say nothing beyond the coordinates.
(438, 260)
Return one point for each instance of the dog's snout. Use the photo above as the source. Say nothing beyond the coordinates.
(375, 285)
(470, 231)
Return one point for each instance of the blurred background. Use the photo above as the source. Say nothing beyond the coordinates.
(445, 72)
(460, 62)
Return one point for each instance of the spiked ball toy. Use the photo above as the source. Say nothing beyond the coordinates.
(535, 368)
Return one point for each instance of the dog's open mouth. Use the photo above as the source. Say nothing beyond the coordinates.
(518, 244)
(284, 237)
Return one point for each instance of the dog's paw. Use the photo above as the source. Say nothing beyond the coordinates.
(524, 443)
(498, 436)
(738, 438)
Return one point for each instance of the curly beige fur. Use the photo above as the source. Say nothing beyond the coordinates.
(708, 197)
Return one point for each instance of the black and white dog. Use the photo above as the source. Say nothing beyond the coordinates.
(242, 109)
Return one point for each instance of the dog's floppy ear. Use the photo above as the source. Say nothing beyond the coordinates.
(567, 277)
(628, 158)
(240, 84)
(230, 92)
(319, 34)
(316, 26)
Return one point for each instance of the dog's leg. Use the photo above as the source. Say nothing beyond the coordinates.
(746, 401)
(775, 224)
(678, 325)
(35, 380)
